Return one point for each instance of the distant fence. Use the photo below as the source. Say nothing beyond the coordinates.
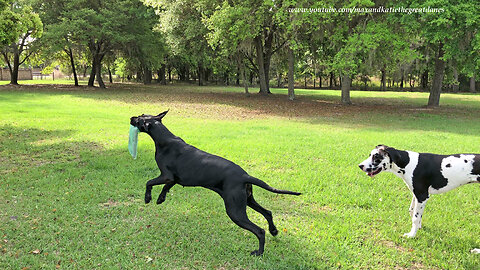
(23, 74)
(31, 74)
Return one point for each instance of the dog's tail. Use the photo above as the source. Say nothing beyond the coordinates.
(260, 183)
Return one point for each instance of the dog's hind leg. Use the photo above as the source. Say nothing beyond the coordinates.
(165, 190)
(236, 207)
(257, 207)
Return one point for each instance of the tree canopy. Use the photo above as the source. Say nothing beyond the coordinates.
(429, 45)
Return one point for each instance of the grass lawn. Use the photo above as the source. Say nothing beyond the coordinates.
(71, 196)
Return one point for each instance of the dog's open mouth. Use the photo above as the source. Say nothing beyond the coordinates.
(373, 173)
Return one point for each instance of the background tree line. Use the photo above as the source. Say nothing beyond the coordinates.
(249, 42)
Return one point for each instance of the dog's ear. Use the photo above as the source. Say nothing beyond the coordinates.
(381, 149)
(398, 157)
(161, 115)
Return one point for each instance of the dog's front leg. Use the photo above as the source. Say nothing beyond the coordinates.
(412, 205)
(155, 181)
(417, 217)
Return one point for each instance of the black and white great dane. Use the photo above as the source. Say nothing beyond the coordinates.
(424, 174)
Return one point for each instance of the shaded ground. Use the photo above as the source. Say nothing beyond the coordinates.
(237, 105)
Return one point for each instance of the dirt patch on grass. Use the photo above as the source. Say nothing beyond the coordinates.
(391, 244)
(415, 266)
(112, 203)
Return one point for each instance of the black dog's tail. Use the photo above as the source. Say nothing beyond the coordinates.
(260, 183)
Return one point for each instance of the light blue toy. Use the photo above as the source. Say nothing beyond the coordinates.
(133, 141)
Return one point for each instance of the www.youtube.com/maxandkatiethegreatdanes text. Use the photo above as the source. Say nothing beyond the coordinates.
(367, 10)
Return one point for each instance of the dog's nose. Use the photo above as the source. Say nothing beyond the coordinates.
(361, 166)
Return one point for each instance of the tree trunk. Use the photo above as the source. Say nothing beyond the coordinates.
(110, 79)
(161, 75)
(291, 73)
(332, 76)
(279, 80)
(14, 69)
(401, 79)
(456, 83)
(346, 84)
(200, 75)
(243, 75)
(206, 74)
(268, 57)
(99, 72)
(425, 80)
(147, 76)
(237, 77)
(97, 56)
(91, 80)
(384, 78)
(72, 63)
(472, 83)
(434, 98)
(169, 74)
(261, 65)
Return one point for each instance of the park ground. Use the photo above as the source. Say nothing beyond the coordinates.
(71, 196)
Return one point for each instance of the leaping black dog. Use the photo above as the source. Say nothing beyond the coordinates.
(183, 164)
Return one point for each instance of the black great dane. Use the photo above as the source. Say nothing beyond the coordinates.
(183, 164)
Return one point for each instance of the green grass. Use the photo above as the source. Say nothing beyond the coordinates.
(70, 191)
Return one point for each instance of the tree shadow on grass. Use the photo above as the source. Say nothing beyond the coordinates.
(33, 147)
(367, 112)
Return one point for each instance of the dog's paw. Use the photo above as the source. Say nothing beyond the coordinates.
(273, 231)
(475, 251)
(148, 197)
(256, 253)
(160, 199)
(409, 235)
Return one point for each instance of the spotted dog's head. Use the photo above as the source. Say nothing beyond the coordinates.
(378, 161)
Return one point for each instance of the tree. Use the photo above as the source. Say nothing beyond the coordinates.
(181, 24)
(100, 26)
(60, 32)
(30, 28)
(353, 35)
(143, 46)
(261, 29)
(442, 30)
(9, 32)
